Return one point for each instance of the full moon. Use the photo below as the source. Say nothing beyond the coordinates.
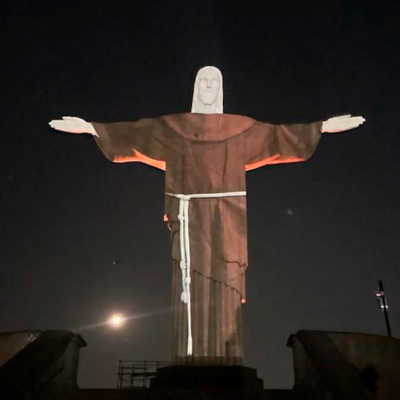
(116, 321)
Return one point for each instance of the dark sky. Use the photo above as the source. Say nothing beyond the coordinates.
(82, 237)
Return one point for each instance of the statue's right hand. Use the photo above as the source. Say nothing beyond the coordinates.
(72, 125)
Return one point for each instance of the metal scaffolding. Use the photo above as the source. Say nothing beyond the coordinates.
(137, 374)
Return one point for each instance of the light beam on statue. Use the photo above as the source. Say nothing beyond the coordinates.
(205, 155)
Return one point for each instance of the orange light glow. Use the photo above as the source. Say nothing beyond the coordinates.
(166, 220)
(137, 156)
(271, 160)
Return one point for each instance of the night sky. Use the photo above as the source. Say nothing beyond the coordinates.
(82, 237)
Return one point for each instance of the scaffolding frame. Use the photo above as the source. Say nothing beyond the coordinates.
(137, 374)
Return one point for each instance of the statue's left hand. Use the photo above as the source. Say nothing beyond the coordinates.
(342, 123)
(73, 125)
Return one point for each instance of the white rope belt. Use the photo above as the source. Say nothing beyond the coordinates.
(184, 241)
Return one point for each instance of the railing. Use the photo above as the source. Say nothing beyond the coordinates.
(137, 374)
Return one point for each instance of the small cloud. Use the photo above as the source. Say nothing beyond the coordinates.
(289, 211)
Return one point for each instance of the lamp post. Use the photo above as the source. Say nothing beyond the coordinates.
(383, 304)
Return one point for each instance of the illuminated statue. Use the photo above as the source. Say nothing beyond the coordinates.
(205, 154)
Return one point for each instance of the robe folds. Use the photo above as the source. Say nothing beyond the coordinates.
(208, 153)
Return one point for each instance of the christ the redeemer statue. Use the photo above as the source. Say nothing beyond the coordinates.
(205, 155)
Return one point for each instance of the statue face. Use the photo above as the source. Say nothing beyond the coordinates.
(209, 83)
(207, 93)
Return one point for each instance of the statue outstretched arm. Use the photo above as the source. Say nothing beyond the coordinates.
(274, 144)
(284, 143)
(341, 123)
(73, 125)
(120, 141)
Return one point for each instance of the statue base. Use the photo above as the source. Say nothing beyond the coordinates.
(207, 377)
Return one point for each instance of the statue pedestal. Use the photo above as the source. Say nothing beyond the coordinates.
(207, 377)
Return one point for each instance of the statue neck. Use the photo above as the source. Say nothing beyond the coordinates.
(201, 108)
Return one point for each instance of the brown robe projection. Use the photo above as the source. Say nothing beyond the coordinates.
(208, 153)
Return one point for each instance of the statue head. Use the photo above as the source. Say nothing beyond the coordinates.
(207, 93)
